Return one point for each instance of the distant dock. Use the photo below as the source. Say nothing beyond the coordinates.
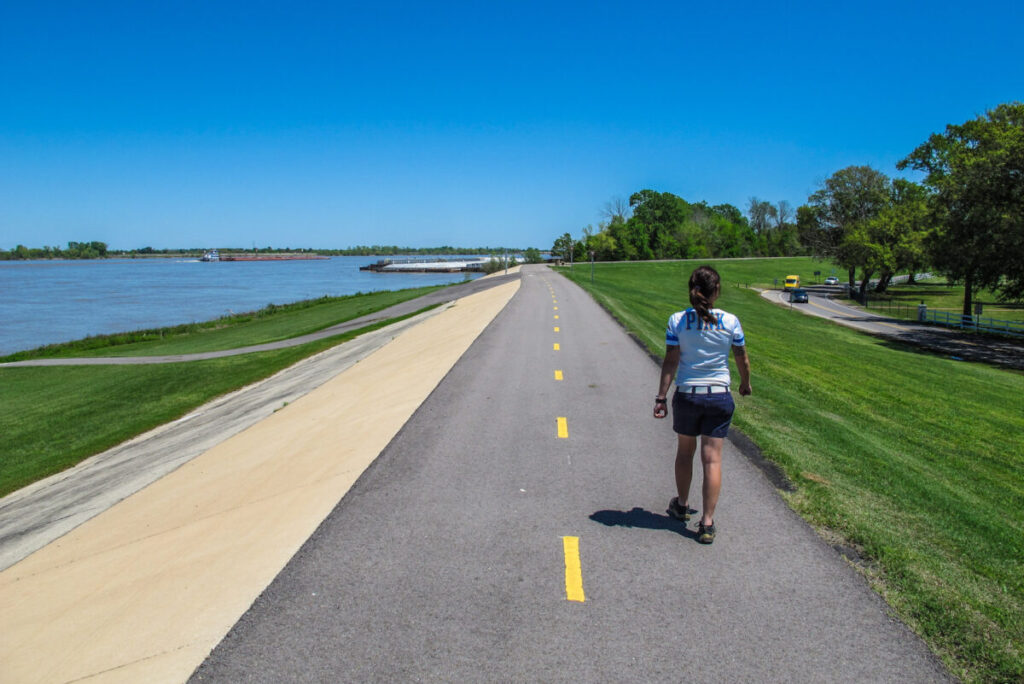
(431, 265)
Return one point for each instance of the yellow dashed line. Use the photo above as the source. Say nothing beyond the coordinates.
(556, 317)
(573, 569)
(558, 375)
(557, 329)
(563, 428)
(556, 347)
(556, 308)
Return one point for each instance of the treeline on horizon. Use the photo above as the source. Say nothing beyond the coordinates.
(965, 220)
(100, 250)
(75, 250)
(661, 225)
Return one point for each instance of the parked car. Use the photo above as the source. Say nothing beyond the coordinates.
(831, 280)
(798, 296)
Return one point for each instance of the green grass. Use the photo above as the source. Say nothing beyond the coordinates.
(764, 272)
(53, 417)
(917, 461)
(901, 301)
(270, 324)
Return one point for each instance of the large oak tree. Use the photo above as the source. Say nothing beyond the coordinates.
(976, 173)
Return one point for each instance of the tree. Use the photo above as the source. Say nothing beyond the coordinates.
(783, 213)
(809, 230)
(603, 244)
(532, 255)
(665, 226)
(616, 208)
(842, 209)
(563, 247)
(760, 215)
(976, 171)
(899, 231)
(784, 239)
(653, 228)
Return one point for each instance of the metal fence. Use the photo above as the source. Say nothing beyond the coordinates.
(893, 308)
(914, 312)
(977, 323)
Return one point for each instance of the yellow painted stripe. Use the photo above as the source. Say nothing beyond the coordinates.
(573, 569)
(563, 428)
(558, 375)
(556, 308)
(556, 317)
(557, 329)
(557, 347)
(554, 301)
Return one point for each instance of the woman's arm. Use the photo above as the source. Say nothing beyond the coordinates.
(743, 365)
(668, 371)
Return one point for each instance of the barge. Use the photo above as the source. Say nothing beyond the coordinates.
(272, 257)
(214, 255)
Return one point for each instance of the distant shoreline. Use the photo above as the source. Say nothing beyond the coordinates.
(56, 300)
(54, 254)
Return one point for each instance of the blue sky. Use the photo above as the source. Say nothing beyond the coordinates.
(176, 124)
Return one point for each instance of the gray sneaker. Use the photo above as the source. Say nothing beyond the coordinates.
(677, 510)
(705, 533)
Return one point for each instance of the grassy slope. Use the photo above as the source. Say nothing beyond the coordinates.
(53, 417)
(241, 330)
(914, 459)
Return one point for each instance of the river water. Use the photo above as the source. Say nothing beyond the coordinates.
(43, 302)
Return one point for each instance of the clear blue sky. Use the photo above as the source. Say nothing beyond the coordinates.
(177, 124)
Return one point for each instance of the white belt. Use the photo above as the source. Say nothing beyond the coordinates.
(702, 389)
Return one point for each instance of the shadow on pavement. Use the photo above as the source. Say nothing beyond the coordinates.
(638, 517)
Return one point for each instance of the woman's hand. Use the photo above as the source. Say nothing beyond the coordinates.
(743, 366)
(660, 408)
(668, 371)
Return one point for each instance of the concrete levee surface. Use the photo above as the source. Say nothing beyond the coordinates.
(144, 590)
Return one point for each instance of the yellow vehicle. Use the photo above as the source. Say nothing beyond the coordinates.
(792, 282)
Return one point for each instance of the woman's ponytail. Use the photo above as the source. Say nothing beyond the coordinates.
(705, 285)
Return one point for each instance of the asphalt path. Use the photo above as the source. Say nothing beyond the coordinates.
(443, 295)
(991, 349)
(448, 561)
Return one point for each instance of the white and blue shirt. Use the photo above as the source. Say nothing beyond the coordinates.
(703, 347)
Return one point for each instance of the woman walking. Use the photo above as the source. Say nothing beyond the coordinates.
(697, 344)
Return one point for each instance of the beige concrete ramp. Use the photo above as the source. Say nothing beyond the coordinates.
(145, 590)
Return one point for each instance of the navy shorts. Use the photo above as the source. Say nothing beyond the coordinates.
(702, 414)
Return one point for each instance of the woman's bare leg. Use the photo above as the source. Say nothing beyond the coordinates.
(684, 467)
(711, 459)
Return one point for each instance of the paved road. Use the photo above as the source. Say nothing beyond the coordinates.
(948, 341)
(445, 294)
(446, 561)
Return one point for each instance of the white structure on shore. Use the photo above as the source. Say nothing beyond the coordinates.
(432, 265)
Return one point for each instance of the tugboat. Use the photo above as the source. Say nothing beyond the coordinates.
(212, 255)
